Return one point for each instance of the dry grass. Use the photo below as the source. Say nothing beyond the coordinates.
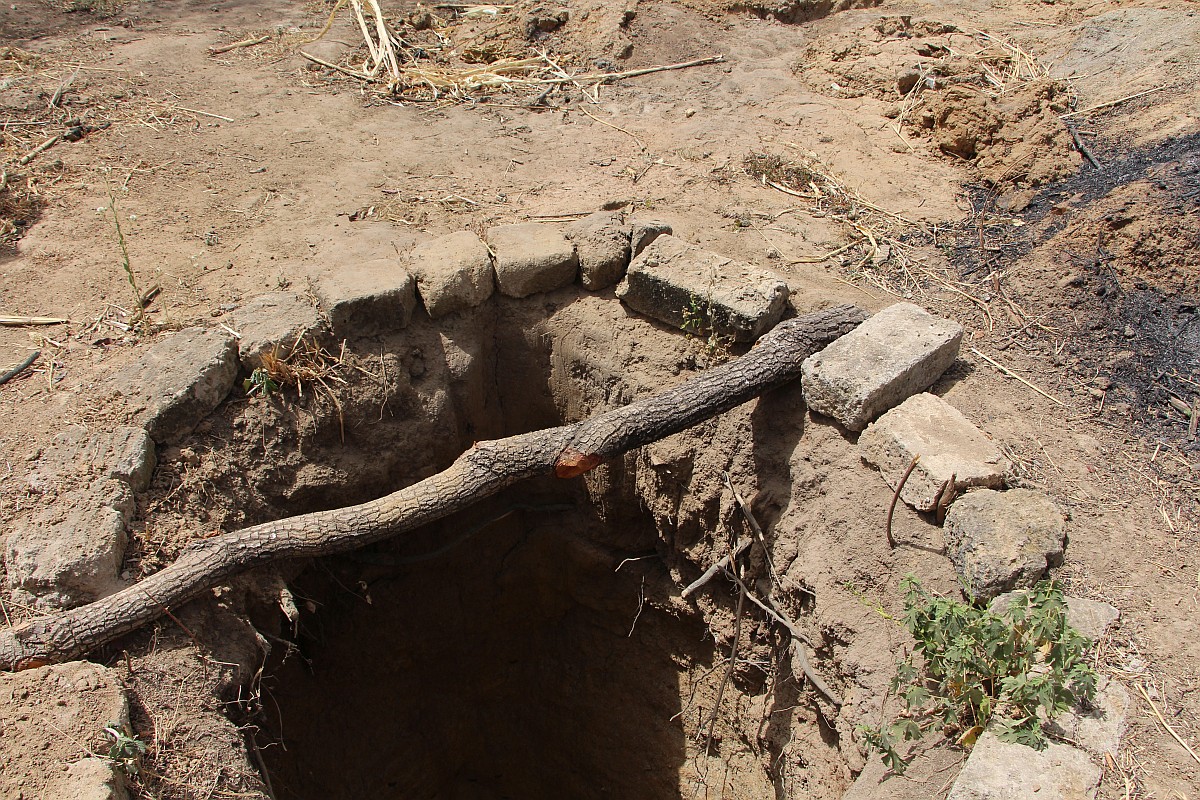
(308, 364)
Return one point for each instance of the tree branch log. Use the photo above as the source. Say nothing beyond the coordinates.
(482, 471)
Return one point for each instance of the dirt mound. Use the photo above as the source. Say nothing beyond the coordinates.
(975, 97)
(797, 11)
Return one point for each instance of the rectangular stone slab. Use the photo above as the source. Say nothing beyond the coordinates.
(898, 352)
(677, 283)
(949, 446)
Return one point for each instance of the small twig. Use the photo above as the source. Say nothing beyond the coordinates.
(149, 296)
(1017, 377)
(1081, 145)
(174, 619)
(633, 73)
(205, 113)
(19, 368)
(41, 148)
(712, 571)
(22, 321)
(755, 529)
(798, 639)
(244, 43)
(1142, 690)
(895, 498)
(234, 333)
(56, 99)
(1195, 417)
(640, 144)
(945, 497)
(362, 76)
(733, 649)
(1116, 102)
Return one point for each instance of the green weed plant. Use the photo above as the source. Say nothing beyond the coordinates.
(972, 666)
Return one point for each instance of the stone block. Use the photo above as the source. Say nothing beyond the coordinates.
(949, 446)
(679, 284)
(51, 717)
(896, 353)
(273, 323)
(602, 242)
(177, 381)
(71, 551)
(75, 457)
(999, 541)
(643, 232)
(999, 770)
(368, 298)
(453, 272)
(1091, 618)
(1098, 729)
(531, 258)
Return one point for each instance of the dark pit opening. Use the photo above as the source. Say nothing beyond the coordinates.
(507, 666)
(507, 651)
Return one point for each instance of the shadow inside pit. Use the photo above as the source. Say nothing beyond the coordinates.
(506, 665)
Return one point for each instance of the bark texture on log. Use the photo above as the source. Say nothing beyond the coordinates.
(482, 471)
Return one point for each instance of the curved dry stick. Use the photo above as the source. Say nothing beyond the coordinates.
(482, 471)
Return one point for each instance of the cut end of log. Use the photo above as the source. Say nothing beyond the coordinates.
(571, 463)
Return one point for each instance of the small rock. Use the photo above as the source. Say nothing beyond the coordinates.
(896, 353)
(367, 298)
(999, 770)
(999, 541)
(531, 258)
(91, 778)
(71, 552)
(1091, 618)
(906, 80)
(543, 20)
(602, 242)
(947, 442)
(56, 712)
(644, 231)
(453, 273)
(1098, 729)
(177, 381)
(75, 457)
(671, 281)
(273, 323)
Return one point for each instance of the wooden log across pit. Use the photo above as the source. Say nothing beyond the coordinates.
(482, 471)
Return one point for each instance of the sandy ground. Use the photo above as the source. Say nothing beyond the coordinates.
(251, 170)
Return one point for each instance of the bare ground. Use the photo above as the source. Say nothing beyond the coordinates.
(253, 169)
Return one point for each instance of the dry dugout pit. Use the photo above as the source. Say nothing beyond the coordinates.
(533, 645)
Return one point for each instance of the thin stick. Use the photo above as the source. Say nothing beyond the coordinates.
(243, 43)
(1195, 417)
(640, 144)
(633, 73)
(205, 113)
(1080, 145)
(19, 368)
(737, 635)
(798, 640)
(1142, 690)
(895, 497)
(41, 148)
(712, 571)
(22, 321)
(755, 529)
(1019, 379)
(1116, 102)
(360, 75)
